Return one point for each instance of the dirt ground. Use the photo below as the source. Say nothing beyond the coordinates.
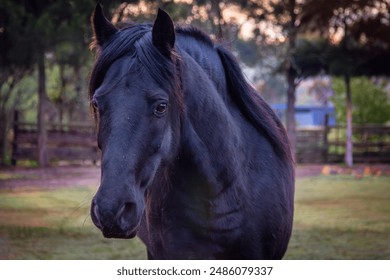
(49, 178)
(89, 176)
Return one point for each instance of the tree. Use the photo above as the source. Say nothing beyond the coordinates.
(341, 22)
(38, 26)
(371, 104)
(207, 14)
(15, 62)
(347, 59)
(283, 18)
(358, 35)
(33, 30)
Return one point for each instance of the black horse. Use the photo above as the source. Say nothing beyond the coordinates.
(194, 162)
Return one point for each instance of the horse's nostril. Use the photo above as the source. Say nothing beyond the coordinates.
(127, 215)
(123, 224)
(95, 214)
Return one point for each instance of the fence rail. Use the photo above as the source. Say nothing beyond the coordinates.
(68, 142)
(371, 144)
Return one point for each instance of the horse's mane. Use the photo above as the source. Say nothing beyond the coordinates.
(195, 33)
(121, 44)
(136, 40)
(253, 106)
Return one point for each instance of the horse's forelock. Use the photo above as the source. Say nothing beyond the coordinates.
(120, 45)
(137, 40)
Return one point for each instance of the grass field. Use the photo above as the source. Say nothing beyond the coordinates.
(339, 217)
(336, 217)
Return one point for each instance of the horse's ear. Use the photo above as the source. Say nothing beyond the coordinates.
(103, 29)
(163, 33)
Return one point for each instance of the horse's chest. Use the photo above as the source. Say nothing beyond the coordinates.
(170, 238)
(191, 228)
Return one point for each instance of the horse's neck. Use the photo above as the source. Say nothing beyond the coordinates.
(207, 58)
(211, 137)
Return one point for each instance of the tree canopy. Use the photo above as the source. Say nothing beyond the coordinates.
(48, 40)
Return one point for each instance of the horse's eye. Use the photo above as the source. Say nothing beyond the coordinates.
(160, 109)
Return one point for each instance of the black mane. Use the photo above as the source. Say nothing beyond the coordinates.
(253, 106)
(135, 41)
(247, 98)
(195, 33)
(121, 44)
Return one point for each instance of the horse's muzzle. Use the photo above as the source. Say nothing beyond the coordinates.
(122, 225)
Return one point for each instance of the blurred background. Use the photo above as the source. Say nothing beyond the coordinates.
(323, 66)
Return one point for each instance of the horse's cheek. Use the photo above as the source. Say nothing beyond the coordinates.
(166, 142)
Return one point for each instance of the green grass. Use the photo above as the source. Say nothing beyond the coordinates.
(340, 217)
(336, 217)
(55, 224)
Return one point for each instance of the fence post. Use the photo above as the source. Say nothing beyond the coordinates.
(15, 139)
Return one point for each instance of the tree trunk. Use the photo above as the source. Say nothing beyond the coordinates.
(348, 143)
(78, 88)
(3, 127)
(61, 95)
(290, 113)
(291, 76)
(217, 19)
(3, 139)
(8, 103)
(42, 113)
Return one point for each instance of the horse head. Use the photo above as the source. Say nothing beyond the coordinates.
(133, 91)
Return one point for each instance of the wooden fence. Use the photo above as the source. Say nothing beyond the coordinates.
(371, 144)
(68, 142)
